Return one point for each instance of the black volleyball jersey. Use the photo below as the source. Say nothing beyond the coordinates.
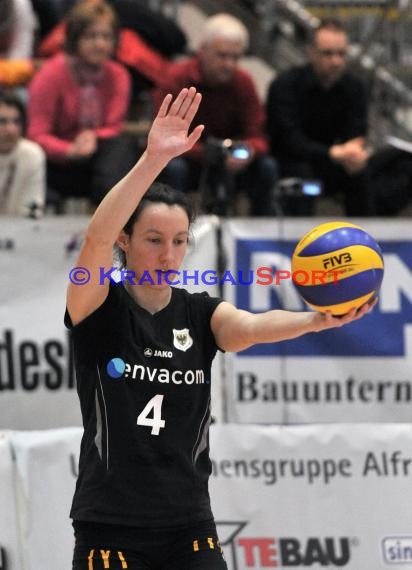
(144, 386)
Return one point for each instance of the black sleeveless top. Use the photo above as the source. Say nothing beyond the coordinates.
(144, 387)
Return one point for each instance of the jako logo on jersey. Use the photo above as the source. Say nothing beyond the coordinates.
(267, 552)
(117, 367)
(160, 353)
(182, 339)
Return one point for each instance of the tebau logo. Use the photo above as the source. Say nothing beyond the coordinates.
(269, 552)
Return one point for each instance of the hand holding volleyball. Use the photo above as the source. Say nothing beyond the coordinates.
(337, 266)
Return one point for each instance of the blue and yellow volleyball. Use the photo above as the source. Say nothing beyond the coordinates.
(337, 266)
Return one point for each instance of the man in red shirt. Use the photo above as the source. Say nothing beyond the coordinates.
(232, 153)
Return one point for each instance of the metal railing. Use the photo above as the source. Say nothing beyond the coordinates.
(380, 48)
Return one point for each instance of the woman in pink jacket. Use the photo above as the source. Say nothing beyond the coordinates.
(77, 104)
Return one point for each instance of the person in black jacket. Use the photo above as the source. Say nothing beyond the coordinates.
(317, 122)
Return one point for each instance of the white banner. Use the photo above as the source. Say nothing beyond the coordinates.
(358, 373)
(37, 383)
(46, 472)
(320, 496)
(9, 540)
(361, 372)
(198, 274)
(37, 387)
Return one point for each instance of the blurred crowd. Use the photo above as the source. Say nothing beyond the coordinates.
(75, 74)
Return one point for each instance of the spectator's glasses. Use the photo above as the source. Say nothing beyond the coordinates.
(92, 36)
(10, 121)
(342, 53)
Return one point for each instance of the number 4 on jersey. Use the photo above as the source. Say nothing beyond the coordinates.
(155, 421)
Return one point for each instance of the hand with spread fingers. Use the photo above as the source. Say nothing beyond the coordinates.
(169, 135)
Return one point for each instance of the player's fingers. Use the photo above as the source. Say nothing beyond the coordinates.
(195, 135)
(367, 307)
(374, 302)
(352, 314)
(329, 318)
(177, 103)
(348, 317)
(187, 102)
(165, 105)
(193, 108)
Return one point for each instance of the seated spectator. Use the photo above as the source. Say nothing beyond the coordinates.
(146, 65)
(153, 26)
(22, 163)
(17, 24)
(317, 123)
(78, 102)
(233, 117)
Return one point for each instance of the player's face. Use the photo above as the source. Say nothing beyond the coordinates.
(219, 59)
(328, 55)
(10, 128)
(158, 243)
(96, 45)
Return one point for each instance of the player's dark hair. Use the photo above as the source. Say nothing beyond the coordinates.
(161, 194)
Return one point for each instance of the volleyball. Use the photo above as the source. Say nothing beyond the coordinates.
(337, 266)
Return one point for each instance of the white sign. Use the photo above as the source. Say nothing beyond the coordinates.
(46, 473)
(360, 372)
(9, 542)
(320, 496)
(37, 381)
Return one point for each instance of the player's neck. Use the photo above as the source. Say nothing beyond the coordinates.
(151, 299)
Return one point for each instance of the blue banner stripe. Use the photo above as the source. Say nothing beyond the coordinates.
(346, 290)
(333, 241)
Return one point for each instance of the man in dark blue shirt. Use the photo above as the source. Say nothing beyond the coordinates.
(317, 122)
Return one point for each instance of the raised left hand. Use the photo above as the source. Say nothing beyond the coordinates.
(169, 135)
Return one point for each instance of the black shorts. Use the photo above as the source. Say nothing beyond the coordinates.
(112, 547)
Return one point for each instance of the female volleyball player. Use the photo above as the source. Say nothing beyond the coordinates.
(143, 357)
